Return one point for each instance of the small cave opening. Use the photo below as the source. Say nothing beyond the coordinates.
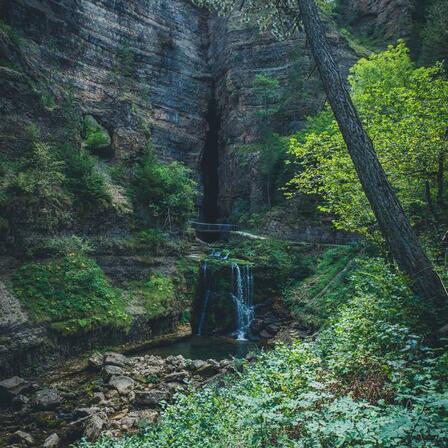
(209, 169)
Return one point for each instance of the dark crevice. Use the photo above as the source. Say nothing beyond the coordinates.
(209, 165)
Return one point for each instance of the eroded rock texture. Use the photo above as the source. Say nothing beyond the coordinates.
(383, 19)
(145, 67)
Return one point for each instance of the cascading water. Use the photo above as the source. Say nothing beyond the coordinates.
(225, 304)
(242, 295)
(205, 287)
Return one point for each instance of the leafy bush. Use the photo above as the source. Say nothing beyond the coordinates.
(83, 179)
(157, 294)
(71, 292)
(166, 192)
(95, 136)
(317, 297)
(31, 190)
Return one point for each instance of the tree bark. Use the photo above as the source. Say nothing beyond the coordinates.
(393, 223)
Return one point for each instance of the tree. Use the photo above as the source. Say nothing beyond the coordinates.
(394, 225)
(405, 111)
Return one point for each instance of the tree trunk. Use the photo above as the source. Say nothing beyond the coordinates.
(393, 223)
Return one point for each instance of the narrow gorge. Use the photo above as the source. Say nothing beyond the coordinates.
(182, 229)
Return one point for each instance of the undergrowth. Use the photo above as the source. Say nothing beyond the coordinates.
(368, 380)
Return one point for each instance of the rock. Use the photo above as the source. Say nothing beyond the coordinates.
(128, 422)
(151, 397)
(264, 334)
(110, 394)
(196, 364)
(115, 359)
(47, 399)
(19, 401)
(98, 397)
(272, 328)
(111, 370)
(146, 415)
(208, 370)
(93, 428)
(24, 437)
(96, 361)
(12, 387)
(177, 361)
(52, 441)
(123, 384)
(251, 356)
(84, 412)
(177, 377)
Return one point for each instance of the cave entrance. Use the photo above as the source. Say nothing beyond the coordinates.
(209, 170)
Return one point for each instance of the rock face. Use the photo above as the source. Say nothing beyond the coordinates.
(153, 66)
(384, 19)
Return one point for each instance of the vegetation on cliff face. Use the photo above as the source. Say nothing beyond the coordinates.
(71, 292)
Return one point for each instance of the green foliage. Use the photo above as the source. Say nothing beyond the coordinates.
(166, 192)
(71, 292)
(153, 240)
(435, 33)
(31, 190)
(404, 110)
(12, 33)
(95, 136)
(287, 399)
(157, 295)
(316, 298)
(84, 180)
(371, 329)
(367, 381)
(60, 246)
(267, 89)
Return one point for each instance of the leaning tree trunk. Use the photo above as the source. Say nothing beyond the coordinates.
(393, 223)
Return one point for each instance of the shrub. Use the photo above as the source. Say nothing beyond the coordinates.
(165, 192)
(157, 295)
(31, 190)
(71, 292)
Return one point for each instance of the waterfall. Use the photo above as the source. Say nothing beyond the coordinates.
(242, 296)
(206, 291)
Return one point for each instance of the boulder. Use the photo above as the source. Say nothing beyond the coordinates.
(177, 361)
(115, 359)
(177, 377)
(123, 384)
(51, 441)
(20, 401)
(145, 415)
(264, 334)
(96, 361)
(208, 370)
(196, 364)
(93, 428)
(111, 370)
(23, 437)
(47, 399)
(12, 387)
(151, 397)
